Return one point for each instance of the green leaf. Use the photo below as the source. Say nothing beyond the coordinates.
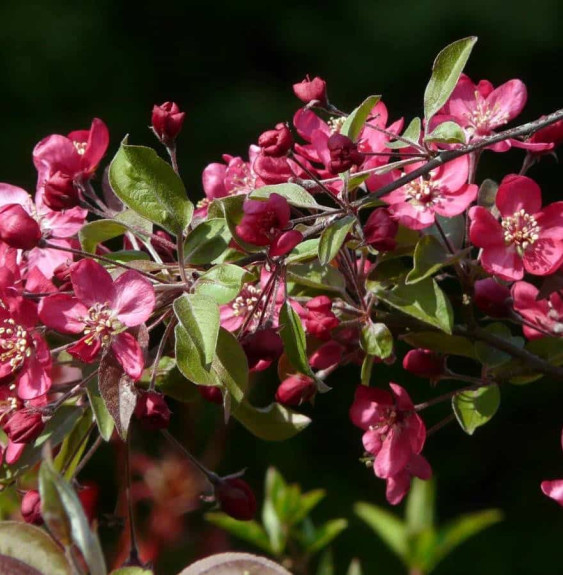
(446, 70)
(306, 250)
(307, 502)
(293, 337)
(148, 185)
(453, 228)
(222, 282)
(101, 413)
(367, 367)
(132, 571)
(420, 505)
(424, 301)
(441, 342)
(249, 531)
(326, 564)
(412, 133)
(60, 505)
(333, 237)
(315, 275)
(94, 233)
(173, 384)
(199, 315)
(355, 568)
(274, 527)
(33, 547)
(354, 123)
(491, 356)
(295, 195)
(207, 241)
(376, 339)
(74, 445)
(475, 408)
(446, 133)
(389, 527)
(326, 533)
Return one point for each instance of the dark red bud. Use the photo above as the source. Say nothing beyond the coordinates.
(492, 298)
(296, 389)
(343, 153)
(24, 426)
(311, 91)
(236, 498)
(276, 142)
(152, 411)
(285, 242)
(262, 348)
(89, 495)
(60, 193)
(167, 122)
(380, 230)
(211, 393)
(17, 228)
(424, 363)
(31, 508)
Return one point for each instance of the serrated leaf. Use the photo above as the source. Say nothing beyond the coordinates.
(149, 185)
(354, 123)
(333, 237)
(475, 408)
(293, 337)
(376, 339)
(101, 414)
(199, 315)
(117, 391)
(326, 533)
(249, 531)
(33, 547)
(207, 241)
(446, 70)
(222, 282)
(306, 250)
(446, 133)
(389, 527)
(295, 195)
(412, 134)
(441, 342)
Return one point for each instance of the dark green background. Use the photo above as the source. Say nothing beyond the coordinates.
(231, 66)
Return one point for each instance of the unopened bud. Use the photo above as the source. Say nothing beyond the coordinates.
(424, 363)
(236, 498)
(31, 508)
(60, 193)
(211, 393)
(276, 142)
(262, 348)
(17, 228)
(167, 122)
(152, 410)
(24, 426)
(380, 230)
(492, 298)
(296, 389)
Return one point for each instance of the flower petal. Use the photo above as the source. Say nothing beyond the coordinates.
(92, 283)
(129, 354)
(553, 489)
(134, 298)
(63, 313)
(517, 193)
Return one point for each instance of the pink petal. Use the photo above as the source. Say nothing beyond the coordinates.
(368, 402)
(394, 454)
(285, 242)
(47, 260)
(485, 231)
(452, 175)
(507, 101)
(306, 122)
(543, 257)
(517, 193)
(54, 153)
(13, 195)
(213, 180)
(129, 354)
(134, 298)
(402, 398)
(86, 350)
(13, 452)
(419, 467)
(454, 204)
(92, 283)
(550, 221)
(98, 142)
(503, 262)
(397, 487)
(371, 441)
(412, 216)
(553, 489)
(33, 380)
(63, 313)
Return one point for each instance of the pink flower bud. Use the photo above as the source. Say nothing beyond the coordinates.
(311, 91)
(31, 508)
(167, 122)
(262, 348)
(24, 426)
(424, 363)
(285, 242)
(380, 230)
(343, 154)
(211, 393)
(276, 142)
(236, 498)
(296, 389)
(492, 298)
(17, 228)
(152, 411)
(60, 193)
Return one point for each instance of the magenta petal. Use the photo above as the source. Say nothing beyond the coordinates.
(371, 441)
(213, 180)
(553, 489)
(397, 487)
(368, 402)
(394, 454)
(419, 467)
(129, 354)
(402, 398)
(63, 313)
(285, 242)
(98, 142)
(13, 452)
(503, 262)
(134, 298)
(13, 195)
(453, 175)
(507, 101)
(543, 257)
(517, 193)
(484, 231)
(34, 380)
(92, 283)
(84, 351)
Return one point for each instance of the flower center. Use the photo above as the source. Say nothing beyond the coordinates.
(80, 147)
(484, 117)
(101, 324)
(557, 327)
(239, 179)
(16, 344)
(423, 193)
(335, 124)
(520, 229)
(245, 303)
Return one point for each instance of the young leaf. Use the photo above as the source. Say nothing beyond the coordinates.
(306, 250)
(296, 195)
(491, 356)
(307, 502)
(315, 275)
(326, 534)
(249, 531)
(446, 133)
(475, 408)
(446, 70)
(277, 535)
(441, 342)
(420, 505)
(354, 123)
(132, 571)
(148, 185)
(74, 445)
(207, 241)
(355, 568)
(333, 237)
(412, 134)
(101, 413)
(376, 339)
(222, 282)
(326, 564)
(293, 336)
(94, 233)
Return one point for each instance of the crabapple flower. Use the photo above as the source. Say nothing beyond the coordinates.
(526, 239)
(380, 230)
(167, 122)
(102, 310)
(546, 313)
(276, 142)
(394, 432)
(311, 91)
(446, 192)
(318, 317)
(31, 507)
(344, 153)
(17, 228)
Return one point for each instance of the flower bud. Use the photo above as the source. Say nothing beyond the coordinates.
(236, 498)
(211, 393)
(380, 230)
(272, 170)
(152, 411)
(276, 142)
(17, 228)
(424, 363)
(311, 91)
(60, 193)
(89, 494)
(343, 153)
(167, 122)
(296, 389)
(262, 348)
(24, 426)
(492, 298)
(31, 508)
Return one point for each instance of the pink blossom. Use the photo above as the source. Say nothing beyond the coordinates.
(554, 488)
(526, 239)
(311, 91)
(546, 313)
(102, 309)
(446, 192)
(394, 432)
(167, 122)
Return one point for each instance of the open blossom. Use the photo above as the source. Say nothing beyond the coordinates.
(102, 310)
(526, 239)
(546, 313)
(394, 432)
(446, 192)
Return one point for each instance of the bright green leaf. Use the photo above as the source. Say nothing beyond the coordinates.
(326, 564)
(446, 133)
(475, 408)
(412, 134)
(315, 275)
(420, 505)
(101, 413)
(207, 241)
(74, 445)
(354, 123)
(293, 336)
(441, 342)
(295, 195)
(326, 533)
(333, 237)
(376, 339)
(222, 282)
(249, 531)
(94, 233)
